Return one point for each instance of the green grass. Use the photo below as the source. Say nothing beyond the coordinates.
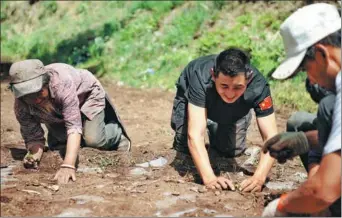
(148, 43)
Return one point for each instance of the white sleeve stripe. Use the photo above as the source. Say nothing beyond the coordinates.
(334, 141)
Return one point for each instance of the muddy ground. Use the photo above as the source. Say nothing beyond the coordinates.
(105, 185)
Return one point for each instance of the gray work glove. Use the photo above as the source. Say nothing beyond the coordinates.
(287, 145)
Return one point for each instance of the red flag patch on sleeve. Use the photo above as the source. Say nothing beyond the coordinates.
(266, 103)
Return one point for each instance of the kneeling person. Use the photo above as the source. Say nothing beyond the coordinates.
(73, 106)
(218, 92)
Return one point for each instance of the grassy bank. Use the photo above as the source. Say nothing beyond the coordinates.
(147, 44)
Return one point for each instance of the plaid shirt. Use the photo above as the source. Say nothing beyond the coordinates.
(72, 91)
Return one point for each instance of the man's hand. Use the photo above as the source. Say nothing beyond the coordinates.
(252, 184)
(271, 210)
(64, 174)
(220, 183)
(286, 145)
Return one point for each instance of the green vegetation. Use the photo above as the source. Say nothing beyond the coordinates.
(148, 43)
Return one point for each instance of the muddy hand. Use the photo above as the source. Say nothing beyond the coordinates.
(253, 184)
(32, 158)
(220, 183)
(64, 175)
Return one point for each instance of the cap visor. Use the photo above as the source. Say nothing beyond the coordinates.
(28, 87)
(289, 66)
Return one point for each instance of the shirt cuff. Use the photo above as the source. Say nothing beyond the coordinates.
(314, 157)
(31, 144)
(74, 130)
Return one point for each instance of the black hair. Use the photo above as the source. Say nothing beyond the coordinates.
(333, 39)
(46, 79)
(231, 62)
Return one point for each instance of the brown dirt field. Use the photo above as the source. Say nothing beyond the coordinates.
(163, 191)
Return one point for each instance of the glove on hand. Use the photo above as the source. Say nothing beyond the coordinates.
(287, 145)
(271, 210)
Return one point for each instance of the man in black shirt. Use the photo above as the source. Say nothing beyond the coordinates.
(218, 92)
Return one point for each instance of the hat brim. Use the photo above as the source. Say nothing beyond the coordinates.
(289, 66)
(28, 87)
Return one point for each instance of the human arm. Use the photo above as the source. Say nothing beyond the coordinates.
(68, 168)
(290, 144)
(30, 129)
(268, 128)
(316, 194)
(66, 95)
(197, 123)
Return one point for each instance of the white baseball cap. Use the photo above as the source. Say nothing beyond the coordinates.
(302, 29)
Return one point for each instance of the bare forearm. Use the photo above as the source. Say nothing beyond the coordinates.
(201, 158)
(312, 137)
(265, 165)
(73, 144)
(320, 190)
(313, 168)
(306, 193)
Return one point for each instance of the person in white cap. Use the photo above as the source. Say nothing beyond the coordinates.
(312, 39)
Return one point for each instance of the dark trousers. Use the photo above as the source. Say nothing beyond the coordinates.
(96, 133)
(228, 140)
(304, 121)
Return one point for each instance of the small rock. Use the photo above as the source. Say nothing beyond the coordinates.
(240, 174)
(112, 175)
(54, 188)
(74, 212)
(300, 177)
(160, 162)
(223, 215)
(252, 151)
(181, 213)
(90, 170)
(217, 193)
(203, 189)
(228, 207)
(280, 185)
(208, 211)
(194, 189)
(31, 191)
(82, 199)
(181, 181)
(43, 184)
(167, 193)
(138, 191)
(138, 172)
(146, 164)
(175, 193)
